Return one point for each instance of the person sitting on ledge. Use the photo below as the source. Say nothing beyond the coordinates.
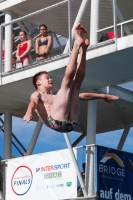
(60, 111)
(43, 44)
(108, 36)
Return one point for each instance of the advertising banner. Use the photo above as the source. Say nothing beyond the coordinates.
(47, 176)
(115, 174)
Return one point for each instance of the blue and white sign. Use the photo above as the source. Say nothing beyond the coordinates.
(114, 174)
(49, 176)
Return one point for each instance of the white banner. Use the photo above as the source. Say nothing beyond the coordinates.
(47, 176)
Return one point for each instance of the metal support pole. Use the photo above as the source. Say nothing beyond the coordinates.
(78, 140)
(79, 17)
(70, 23)
(90, 139)
(122, 31)
(58, 42)
(34, 137)
(8, 135)
(1, 171)
(18, 143)
(94, 21)
(91, 122)
(121, 18)
(104, 90)
(115, 21)
(4, 180)
(8, 42)
(13, 136)
(1, 41)
(75, 163)
(89, 178)
(123, 138)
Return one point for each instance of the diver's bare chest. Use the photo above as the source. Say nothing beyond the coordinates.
(47, 99)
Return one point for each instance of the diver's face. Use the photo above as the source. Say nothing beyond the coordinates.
(45, 81)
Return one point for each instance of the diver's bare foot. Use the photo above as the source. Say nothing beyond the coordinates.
(81, 36)
(84, 35)
(77, 34)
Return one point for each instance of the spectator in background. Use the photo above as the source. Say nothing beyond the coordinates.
(23, 50)
(43, 44)
(108, 36)
(83, 173)
(79, 189)
(13, 63)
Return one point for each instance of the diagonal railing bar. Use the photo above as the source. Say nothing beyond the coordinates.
(17, 148)
(35, 13)
(17, 140)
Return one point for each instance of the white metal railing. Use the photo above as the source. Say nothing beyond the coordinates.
(78, 17)
(23, 18)
(35, 13)
(43, 10)
(69, 24)
(120, 24)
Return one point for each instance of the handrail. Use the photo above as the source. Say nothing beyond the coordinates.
(17, 148)
(16, 139)
(89, 145)
(23, 18)
(128, 21)
(15, 144)
(34, 13)
(115, 22)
